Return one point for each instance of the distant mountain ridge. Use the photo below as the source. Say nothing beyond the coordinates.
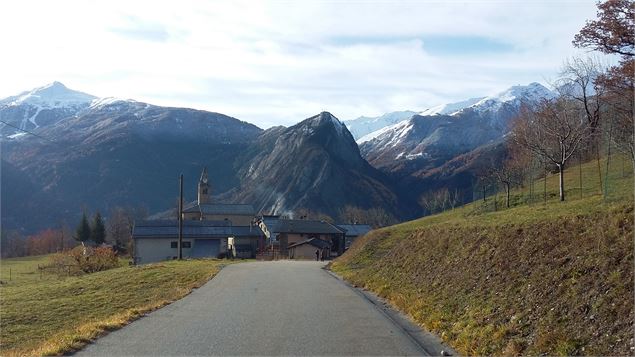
(362, 126)
(430, 140)
(111, 152)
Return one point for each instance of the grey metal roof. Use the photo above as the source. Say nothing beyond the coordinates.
(271, 222)
(192, 229)
(189, 223)
(318, 243)
(306, 226)
(239, 209)
(355, 229)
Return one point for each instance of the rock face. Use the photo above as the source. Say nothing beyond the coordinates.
(314, 165)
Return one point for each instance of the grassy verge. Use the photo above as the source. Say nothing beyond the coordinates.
(553, 279)
(54, 316)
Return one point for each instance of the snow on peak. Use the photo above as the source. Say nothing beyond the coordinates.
(101, 102)
(362, 126)
(397, 131)
(450, 108)
(532, 92)
(52, 95)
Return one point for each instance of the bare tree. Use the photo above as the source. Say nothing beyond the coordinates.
(578, 81)
(554, 130)
(509, 173)
(439, 200)
(619, 85)
(375, 217)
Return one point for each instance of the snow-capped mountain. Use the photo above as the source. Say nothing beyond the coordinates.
(113, 152)
(40, 107)
(364, 125)
(430, 140)
(52, 95)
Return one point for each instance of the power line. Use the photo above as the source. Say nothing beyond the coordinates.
(26, 131)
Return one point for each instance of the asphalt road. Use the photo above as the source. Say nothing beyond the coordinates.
(264, 308)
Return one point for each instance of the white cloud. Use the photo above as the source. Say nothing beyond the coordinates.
(278, 62)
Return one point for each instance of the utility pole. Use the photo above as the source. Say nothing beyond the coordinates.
(181, 217)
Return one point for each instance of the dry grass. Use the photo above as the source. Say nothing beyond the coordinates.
(55, 316)
(553, 279)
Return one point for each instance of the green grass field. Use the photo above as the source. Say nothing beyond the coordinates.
(554, 278)
(56, 315)
(17, 271)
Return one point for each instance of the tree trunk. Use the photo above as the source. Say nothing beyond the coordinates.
(608, 160)
(597, 159)
(545, 185)
(507, 187)
(496, 199)
(561, 172)
(580, 169)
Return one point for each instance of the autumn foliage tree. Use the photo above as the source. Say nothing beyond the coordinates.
(613, 31)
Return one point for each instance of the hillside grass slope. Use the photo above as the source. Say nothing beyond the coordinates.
(554, 278)
(56, 315)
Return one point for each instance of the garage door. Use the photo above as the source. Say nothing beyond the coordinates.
(206, 248)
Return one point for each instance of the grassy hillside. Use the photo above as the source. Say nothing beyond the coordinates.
(553, 278)
(55, 315)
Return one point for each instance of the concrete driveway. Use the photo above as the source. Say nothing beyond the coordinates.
(264, 308)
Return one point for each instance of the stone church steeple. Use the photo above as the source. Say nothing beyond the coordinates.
(203, 188)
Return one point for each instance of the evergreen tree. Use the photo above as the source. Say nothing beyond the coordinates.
(98, 230)
(82, 233)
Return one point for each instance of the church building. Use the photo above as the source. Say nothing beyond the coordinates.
(209, 230)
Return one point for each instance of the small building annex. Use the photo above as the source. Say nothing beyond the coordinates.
(293, 231)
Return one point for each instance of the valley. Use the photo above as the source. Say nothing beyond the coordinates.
(124, 153)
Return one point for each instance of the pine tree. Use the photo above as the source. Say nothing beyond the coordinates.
(83, 229)
(98, 230)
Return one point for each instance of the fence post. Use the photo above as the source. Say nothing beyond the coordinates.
(9, 274)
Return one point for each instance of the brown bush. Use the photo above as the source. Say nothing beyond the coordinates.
(83, 259)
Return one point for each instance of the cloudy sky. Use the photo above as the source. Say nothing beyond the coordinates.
(277, 62)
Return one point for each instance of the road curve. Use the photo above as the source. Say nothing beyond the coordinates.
(263, 308)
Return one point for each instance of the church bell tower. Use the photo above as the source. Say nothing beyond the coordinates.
(203, 188)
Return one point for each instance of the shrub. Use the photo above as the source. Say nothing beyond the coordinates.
(84, 259)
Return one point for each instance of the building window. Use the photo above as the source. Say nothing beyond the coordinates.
(187, 244)
(174, 244)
